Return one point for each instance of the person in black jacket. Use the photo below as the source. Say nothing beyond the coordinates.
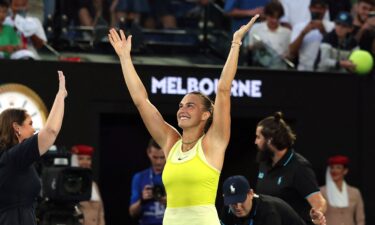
(243, 206)
(337, 46)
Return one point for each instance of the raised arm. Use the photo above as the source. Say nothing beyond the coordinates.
(219, 132)
(296, 44)
(163, 133)
(49, 132)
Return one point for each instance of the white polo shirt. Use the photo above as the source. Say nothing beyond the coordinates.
(278, 39)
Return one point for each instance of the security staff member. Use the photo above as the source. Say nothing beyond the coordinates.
(243, 206)
(284, 173)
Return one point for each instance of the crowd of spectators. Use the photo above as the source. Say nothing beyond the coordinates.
(316, 35)
(309, 35)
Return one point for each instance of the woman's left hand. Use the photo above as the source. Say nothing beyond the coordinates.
(120, 43)
(240, 33)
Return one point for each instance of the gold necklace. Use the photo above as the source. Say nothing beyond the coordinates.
(191, 142)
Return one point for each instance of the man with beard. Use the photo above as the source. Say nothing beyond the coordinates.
(364, 25)
(363, 21)
(286, 174)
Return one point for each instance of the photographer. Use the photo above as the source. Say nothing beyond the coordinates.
(148, 201)
(93, 210)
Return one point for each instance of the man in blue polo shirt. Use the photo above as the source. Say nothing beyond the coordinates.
(148, 200)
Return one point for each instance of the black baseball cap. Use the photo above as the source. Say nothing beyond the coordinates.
(344, 18)
(235, 189)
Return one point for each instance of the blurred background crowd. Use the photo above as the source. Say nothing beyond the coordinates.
(308, 35)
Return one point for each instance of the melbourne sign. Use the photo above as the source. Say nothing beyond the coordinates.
(175, 85)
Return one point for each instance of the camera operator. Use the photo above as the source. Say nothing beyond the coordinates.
(93, 210)
(148, 201)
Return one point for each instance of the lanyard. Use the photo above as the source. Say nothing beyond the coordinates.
(151, 177)
(154, 179)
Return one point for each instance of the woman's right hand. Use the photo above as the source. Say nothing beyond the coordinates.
(120, 43)
(62, 88)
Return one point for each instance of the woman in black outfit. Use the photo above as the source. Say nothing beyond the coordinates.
(19, 148)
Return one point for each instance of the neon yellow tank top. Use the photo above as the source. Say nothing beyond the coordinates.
(188, 178)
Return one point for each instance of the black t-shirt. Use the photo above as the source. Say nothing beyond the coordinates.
(19, 183)
(266, 210)
(291, 179)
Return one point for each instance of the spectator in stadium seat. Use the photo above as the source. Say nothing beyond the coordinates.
(82, 12)
(270, 32)
(362, 21)
(161, 15)
(9, 39)
(89, 12)
(337, 45)
(364, 25)
(335, 7)
(297, 12)
(240, 11)
(31, 29)
(307, 36)
(152, 14)
(125, 12)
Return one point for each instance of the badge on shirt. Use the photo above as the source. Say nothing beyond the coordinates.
(260, 175)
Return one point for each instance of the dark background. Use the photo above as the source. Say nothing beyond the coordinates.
(331, 114)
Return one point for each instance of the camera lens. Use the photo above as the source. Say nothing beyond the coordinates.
(72, 183)
(158, 192)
